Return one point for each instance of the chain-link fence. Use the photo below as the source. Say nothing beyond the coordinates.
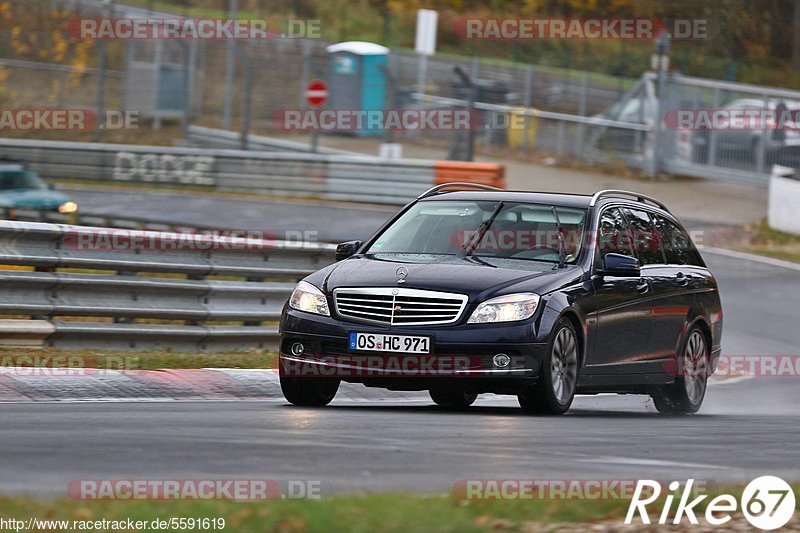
(281, 69)
(590, 116)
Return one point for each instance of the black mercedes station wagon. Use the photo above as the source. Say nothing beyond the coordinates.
(471, 290)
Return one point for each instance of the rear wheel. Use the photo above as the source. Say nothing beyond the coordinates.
(685, 396)
(555, 390)
(309, 392)
(452, 399)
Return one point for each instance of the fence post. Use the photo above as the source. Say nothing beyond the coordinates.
(712, 135)
(248, 95)
(662, 48)
(475, 72)
(582, 105)
(108, 12)
(526, 103)
(561, 132)
(761, 156)
(230, 64)
(187, 90)
(305, 73)
(201, 75)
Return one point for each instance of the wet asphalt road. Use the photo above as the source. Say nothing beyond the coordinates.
(747, 428)
(329, 222)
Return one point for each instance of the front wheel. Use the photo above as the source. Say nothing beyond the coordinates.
(685, 396)
(452, 399)
(555, 390)
(309, 392)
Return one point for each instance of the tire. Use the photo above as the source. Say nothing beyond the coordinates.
(555, 390)
(685, 396)
(309, 392)
(452, 399)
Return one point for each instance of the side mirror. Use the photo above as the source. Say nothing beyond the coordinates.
(623, 266)
(346, 249)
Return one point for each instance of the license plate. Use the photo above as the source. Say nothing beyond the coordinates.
(380, 342)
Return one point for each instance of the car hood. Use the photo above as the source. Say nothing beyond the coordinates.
(449, 274)
(33, 198)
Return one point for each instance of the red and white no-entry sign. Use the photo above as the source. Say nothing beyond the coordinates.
(317, 93)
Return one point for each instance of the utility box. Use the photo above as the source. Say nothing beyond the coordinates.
(358, 79)
(158, 78)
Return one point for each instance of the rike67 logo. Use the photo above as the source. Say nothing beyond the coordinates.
(768, 503)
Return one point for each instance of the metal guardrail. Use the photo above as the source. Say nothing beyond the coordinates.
(337, 177)
(197, 306)
(84, 218)
(216, 138)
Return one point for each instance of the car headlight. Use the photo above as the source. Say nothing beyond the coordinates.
(310, 299)
(505, 308)
(67, 208)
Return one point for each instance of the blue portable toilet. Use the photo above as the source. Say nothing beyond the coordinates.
(358, 79)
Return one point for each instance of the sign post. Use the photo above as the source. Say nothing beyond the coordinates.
(316, 96)
(425, 44)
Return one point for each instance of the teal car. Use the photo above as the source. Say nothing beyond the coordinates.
(22, 188)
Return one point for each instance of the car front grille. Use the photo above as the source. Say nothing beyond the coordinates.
(399, 306)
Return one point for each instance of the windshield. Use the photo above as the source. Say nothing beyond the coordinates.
(508, 230)
(20, 179)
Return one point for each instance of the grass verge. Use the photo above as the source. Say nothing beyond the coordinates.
(371, 512)
(119, 360)
(773, 243)
(377, 512)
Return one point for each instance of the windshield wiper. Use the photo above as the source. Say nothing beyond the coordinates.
(562, 246)
(480, 232)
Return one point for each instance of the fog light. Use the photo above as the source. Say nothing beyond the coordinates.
(298, 348)
(501, 360)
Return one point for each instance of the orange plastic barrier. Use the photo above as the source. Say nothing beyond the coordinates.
(493, 174)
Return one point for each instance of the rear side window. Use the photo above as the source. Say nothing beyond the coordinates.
(678, 247)
(613, 235)
(646, 238)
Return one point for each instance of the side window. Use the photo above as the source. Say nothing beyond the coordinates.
(646, 240)
(678, 247)
(613, 235)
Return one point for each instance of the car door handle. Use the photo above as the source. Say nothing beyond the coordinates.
(682, 279)
(642, 287)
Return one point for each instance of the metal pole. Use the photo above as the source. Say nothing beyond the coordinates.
(761, 156)
(392, 74)
(526, 103)
(473, 97)
(230, 64)
(187, 91)
(582, 107)
(422, 73)
(201, 90)
(662, 46)
(305, 76)
(712, 137)
(108, 9)
(248, 95)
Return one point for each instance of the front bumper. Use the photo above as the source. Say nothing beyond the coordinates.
(461, 354)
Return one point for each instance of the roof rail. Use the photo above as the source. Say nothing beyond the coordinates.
(463, 186)
(620, 193)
